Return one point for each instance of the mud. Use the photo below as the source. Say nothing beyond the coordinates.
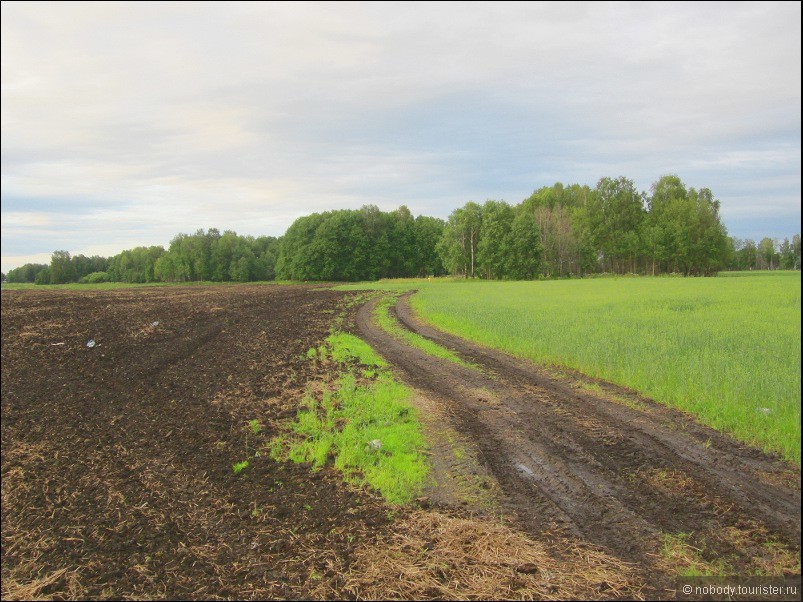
(622, 477)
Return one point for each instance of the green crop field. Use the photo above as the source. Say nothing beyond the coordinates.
(724, 349)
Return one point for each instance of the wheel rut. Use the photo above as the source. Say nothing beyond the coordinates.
(619, 477)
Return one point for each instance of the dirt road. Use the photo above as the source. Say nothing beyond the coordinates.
(640, 481)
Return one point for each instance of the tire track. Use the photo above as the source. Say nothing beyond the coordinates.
(617, 477)
(726, 467)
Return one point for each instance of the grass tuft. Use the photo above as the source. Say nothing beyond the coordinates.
(240, 466)
(387, 323)
(366, 427)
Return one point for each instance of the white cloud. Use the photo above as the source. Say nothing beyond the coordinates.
(14, 261)
(247, 115)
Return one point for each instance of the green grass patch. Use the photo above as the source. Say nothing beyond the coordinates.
(726, 349)
(365, 426)
(239, 466)
(345, 347)
(387, 323)
(687, 559)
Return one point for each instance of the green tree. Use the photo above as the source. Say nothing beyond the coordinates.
(618, 222)
(241, 268)
(524, 250)
(135, 265)
(295, 258)
(26, 273)
(88, 265)
(492, 248)
(461, 236)
(43, 277)
(768, 256)
(373, 247)
(563, 215)
(403, 256)
(428, 232)
(266, 251)
(62, 269)
(453, 245)
(684, 231)
(223, 252)
(786, 255)
(746, 255)
(664, 209)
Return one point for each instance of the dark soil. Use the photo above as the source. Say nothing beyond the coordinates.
(117, 477)
(620, 475)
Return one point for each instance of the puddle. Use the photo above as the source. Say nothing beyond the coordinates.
(525, 470)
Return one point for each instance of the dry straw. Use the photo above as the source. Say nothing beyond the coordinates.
(432, 555)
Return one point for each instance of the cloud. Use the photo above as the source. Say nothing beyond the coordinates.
(129, 123)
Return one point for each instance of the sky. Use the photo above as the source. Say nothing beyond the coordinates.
(126, 124)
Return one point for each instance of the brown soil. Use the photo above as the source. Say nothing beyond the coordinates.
(634, 479)
(117, 477)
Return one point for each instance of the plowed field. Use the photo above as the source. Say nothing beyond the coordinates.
(117, 459)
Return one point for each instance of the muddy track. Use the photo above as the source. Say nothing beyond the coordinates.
(620, 476)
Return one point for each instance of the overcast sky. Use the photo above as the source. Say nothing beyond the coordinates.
(125, 124)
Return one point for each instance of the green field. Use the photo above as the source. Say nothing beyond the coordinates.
(724, 349)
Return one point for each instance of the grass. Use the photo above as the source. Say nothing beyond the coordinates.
(387, 323)
(239, 466)
(724, 349)
(363, 424)
(345, 347)
(687, 560)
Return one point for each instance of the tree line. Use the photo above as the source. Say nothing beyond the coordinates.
(203, 256)
(576, 230)
(364, 244)
(558, 231)
(768, 254)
